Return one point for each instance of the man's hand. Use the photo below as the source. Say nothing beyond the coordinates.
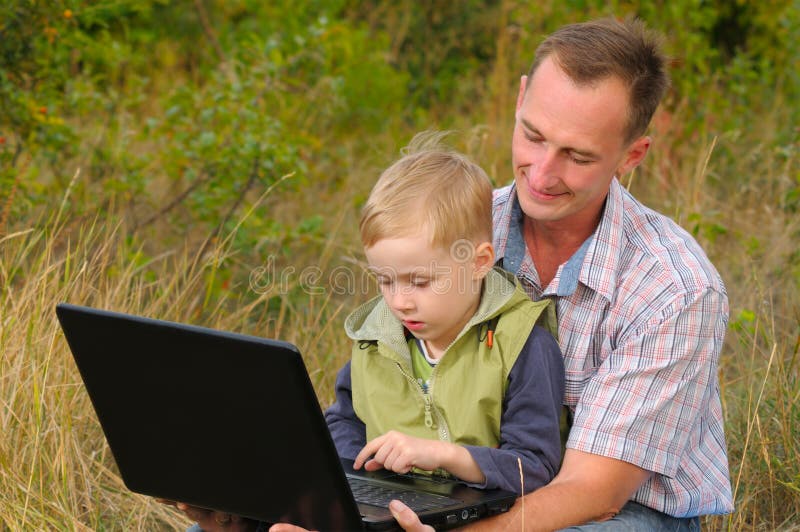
(286, 527)
(407, 519)
(400, 452)
(405, 516)
(212, 521)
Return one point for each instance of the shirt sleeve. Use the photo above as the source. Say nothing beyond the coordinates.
(529, 425)
(649, 393)
(349, 433)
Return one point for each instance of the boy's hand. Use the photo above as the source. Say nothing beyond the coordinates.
(400, 452)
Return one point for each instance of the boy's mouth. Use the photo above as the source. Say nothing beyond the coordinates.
(412, 325)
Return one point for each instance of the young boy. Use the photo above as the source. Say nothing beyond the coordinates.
(452, 368)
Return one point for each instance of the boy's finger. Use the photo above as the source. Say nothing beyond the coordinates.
(365, 453)
(373, 465)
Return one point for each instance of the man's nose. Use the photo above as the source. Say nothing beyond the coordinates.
(547, 167)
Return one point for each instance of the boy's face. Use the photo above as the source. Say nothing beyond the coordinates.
(433, 291)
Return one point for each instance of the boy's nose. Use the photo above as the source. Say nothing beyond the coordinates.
(402, 301)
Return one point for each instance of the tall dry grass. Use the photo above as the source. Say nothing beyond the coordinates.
(56, 471)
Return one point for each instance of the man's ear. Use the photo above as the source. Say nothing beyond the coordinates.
(523, 83)
(484, 259)
(634, 155)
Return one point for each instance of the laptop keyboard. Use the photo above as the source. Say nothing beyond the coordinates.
(367, 492)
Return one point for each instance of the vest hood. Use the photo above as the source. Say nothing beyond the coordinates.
(374, 321)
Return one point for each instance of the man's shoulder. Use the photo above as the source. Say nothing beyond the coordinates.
(655, 242)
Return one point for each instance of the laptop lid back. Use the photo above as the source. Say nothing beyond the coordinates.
(182, 409)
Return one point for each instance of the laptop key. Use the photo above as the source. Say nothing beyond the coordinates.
(366, 492)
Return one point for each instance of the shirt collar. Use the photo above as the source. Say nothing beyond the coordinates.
(602, 256)
(594, 263)
(514, 252)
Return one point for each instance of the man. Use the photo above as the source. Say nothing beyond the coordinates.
(642, 312)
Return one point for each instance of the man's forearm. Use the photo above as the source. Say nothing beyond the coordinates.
(588, 488)
(551, 507)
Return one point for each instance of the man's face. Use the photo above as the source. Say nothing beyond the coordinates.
(568, 143)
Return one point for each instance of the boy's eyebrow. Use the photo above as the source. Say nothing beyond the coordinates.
(394, 274)
(577, 151)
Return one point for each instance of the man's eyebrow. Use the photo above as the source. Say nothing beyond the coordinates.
(583, 153)
(530, 127)
(575, 151)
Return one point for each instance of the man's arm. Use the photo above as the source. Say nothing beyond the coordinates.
(588, 488)
(595, 487)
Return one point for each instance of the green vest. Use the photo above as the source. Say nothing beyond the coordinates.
(463, 404)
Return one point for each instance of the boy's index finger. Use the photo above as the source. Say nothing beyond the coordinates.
(368, 450)
(362, 456)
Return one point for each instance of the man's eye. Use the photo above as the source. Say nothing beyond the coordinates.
(421, 283)
(578, 160)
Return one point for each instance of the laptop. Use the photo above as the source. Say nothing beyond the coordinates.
(231, 422)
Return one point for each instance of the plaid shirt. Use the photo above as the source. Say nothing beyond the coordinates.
(642, 316)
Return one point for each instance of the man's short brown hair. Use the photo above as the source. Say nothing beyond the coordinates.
(432, 186)
(590, 52)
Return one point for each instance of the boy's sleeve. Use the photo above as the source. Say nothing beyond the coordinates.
(529, 426)
(349, 433)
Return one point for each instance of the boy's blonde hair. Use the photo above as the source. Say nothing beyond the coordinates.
(431, 186)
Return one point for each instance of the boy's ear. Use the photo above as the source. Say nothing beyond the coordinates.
(484, 259)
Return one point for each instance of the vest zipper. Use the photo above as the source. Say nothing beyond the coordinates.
(430, 411)
(444, 433)
(426, 398)
(428, 416)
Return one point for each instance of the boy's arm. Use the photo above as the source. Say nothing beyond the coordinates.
(529, 430)
(400, 452)
(349, 433)
(529, 427)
